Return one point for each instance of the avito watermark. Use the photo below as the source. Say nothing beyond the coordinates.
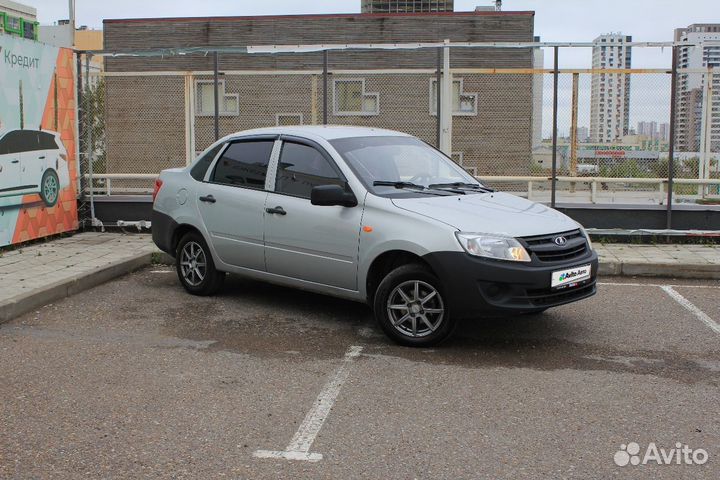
(681, 454)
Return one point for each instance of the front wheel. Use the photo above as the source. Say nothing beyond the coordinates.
(410, 307)
(195, 267)
(50, 188)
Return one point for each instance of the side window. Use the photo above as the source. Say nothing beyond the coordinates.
(301, 168)
(47, 141)
(16, 142)
(199, 170)
(244, 164)
(30, 140)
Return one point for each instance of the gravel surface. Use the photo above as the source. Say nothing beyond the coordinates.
(137, 379)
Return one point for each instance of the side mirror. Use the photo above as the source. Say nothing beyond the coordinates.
(329, 195)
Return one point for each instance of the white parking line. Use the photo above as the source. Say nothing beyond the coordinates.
(620, 284)
(299, 447)
(704, 317)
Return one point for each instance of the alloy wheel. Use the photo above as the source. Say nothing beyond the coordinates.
(415, 308)
(193, 263)
(50, 188)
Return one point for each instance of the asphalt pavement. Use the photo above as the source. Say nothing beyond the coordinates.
(137, 379)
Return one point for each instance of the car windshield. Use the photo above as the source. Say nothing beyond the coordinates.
(387, 164)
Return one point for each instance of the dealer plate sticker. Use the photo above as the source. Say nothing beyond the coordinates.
(572, 275)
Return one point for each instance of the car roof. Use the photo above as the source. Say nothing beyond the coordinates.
(326, 132)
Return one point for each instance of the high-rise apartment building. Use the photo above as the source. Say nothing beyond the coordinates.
(702, 51)
(406, 6)
(610, 94)
(664, 132)
(648, 129)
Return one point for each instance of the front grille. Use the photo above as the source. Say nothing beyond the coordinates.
(544, 248)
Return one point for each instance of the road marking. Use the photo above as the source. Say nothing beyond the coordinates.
(704, 317)
(619, 284)
(299, 447)
(162, 271)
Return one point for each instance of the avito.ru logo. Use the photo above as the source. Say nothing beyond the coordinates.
(680, 455)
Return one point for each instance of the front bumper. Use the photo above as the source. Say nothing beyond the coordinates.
(476, 286)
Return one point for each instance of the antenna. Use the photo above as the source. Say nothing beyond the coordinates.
(498, 5)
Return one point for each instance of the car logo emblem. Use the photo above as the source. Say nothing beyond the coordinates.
(560, 241)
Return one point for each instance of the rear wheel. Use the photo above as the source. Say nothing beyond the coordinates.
(195, 267)
(50, 188)
(410, 307)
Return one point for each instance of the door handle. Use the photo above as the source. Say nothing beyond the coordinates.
(15, 161)
(42, 158)
(278, 210)
(208, 199)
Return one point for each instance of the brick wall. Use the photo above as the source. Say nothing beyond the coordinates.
(145, 115)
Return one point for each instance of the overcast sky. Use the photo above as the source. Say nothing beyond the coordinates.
(555, 20)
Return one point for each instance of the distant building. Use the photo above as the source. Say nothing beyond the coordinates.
(648, 129)
(610, 94)
(18, 19)
(704, 52)
(583, 134)
(491, 133)
(664, 132)
(406, 6)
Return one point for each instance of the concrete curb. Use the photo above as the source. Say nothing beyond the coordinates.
(24, 303)
(661, 270)
(20, 304)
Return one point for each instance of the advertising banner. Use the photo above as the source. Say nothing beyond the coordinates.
(38, 155)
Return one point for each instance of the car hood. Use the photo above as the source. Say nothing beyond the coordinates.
(495, 212)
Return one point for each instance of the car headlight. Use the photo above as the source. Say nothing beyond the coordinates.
(587, 237)
(493, 246)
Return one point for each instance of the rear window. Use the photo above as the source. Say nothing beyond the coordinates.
(47, 141)
(244, 164)
(200, 168)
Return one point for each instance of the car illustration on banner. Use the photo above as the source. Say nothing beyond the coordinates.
(33, 162)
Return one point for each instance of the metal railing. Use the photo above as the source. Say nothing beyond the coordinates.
(519, 129)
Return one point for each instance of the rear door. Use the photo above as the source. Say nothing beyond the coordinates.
(305, 241)
(231, 201)
(11, 181)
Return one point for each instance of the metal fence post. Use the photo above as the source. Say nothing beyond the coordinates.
(325, 87)
(573, 130)
(446, 103)
(90, 121)
(216, 86)
(671, 146)
(80, 123)
(438, 96)
(553, 179)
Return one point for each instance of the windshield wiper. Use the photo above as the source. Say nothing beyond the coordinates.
(387, 183)
(462, 185)
(409, 185)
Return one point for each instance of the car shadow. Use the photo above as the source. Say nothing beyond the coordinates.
(262, 319)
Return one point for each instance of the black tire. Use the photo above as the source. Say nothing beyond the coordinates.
(198, 277)
(50, 188)
(422, 307)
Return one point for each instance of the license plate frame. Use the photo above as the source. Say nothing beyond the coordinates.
(570, 277)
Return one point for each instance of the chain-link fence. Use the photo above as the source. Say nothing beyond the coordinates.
(603, 135)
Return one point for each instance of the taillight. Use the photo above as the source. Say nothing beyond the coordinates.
(158, 186)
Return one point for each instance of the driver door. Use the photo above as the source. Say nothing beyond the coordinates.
(309, 242)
